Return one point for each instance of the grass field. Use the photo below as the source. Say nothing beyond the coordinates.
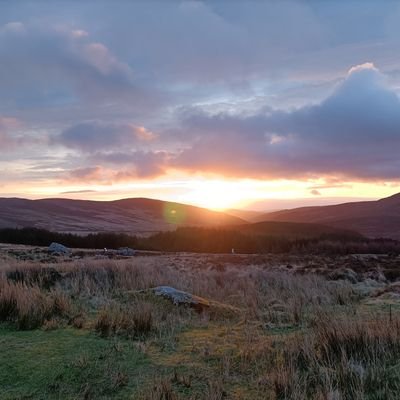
(92, 329)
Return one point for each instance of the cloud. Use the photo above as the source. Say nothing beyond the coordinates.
(352, 134)
(355, 132)
(94, 136)
(79, 191)
(361, 67)
(135, 164)
(220, 41)
(57, 65)
(315, 192)
(112, 152)
(87, 174)
(101, 65)
(203, 42)
(7, 126)
(112, 167)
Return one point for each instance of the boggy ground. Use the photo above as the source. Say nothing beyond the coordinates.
(279, 327)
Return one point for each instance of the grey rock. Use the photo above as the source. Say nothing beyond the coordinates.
(126, 251)
(57, 248)
(179, 297)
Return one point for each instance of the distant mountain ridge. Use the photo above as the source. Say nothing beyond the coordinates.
(375, 219)
(134, 216)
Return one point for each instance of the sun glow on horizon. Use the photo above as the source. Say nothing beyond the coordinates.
(215, 193)
(220, 194)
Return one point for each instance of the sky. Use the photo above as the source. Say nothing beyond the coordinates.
(221, 104)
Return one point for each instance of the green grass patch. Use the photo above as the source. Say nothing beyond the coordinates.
(69, 364)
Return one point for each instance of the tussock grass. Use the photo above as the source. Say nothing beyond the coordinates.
(131, 321)
(30, 307)
(287, 335)
(342, 359)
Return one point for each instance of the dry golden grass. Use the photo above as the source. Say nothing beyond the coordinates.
(286, 335)
(29, 307)
(133, 322)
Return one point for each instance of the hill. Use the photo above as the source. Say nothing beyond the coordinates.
(136, 215)
(374, 219)
(247, 215)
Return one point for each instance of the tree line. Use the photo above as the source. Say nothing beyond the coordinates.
(205, 240)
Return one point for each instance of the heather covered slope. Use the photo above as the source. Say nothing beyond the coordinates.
(379, 218)
(138, 215)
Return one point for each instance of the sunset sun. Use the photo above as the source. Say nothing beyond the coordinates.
(216, 194)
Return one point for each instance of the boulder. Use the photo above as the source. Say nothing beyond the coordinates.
(126, 251)
(57, 248)
(179, 297)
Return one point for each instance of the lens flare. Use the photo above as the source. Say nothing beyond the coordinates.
(174, 213)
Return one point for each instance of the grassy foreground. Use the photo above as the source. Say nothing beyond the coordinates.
(67, 363)
(91, 330)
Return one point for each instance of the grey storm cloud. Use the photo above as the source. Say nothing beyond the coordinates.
(355, 132)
